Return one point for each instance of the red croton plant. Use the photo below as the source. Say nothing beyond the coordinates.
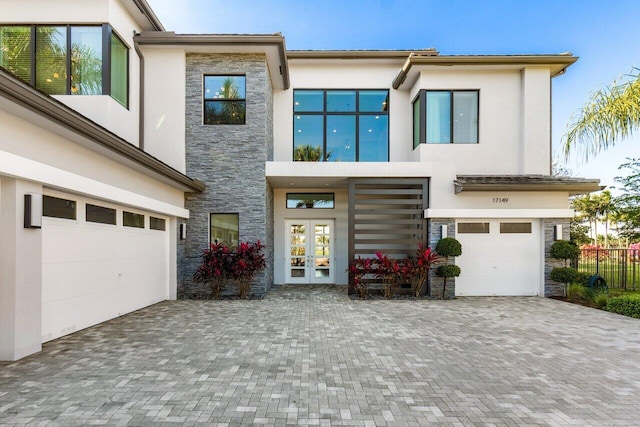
(391, 272)
(220, 264)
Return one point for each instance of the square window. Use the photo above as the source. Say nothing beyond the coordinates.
(445, 117)
(224, 228)
(224, 100)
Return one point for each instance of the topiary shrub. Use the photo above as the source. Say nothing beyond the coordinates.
(564, 249)
(564, 275)
(448, 247)
(627, 305)
(446, 271)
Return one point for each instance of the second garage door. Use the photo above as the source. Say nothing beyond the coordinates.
(499, 257)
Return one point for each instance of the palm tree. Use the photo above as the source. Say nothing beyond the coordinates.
(610, 114)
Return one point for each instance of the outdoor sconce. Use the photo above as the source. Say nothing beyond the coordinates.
(182, 232)
(443, 231)
(33, 210)
(557, 232)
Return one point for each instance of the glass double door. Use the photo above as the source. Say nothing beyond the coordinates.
(309, 257)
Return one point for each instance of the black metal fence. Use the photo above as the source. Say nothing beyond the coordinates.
(619, 267)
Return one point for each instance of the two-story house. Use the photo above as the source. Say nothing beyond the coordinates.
(126, 149)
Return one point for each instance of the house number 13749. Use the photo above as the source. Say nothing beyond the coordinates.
(500, 200)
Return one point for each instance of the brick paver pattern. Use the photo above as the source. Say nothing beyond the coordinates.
(311, 356)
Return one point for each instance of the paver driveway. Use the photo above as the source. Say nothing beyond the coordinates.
(309, 355)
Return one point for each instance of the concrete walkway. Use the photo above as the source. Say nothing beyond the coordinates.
(311, 356)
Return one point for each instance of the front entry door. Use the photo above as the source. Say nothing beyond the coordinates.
(309, 256)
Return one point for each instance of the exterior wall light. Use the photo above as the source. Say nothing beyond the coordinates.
(33, 210)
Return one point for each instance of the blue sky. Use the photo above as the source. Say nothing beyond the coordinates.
(602, 33)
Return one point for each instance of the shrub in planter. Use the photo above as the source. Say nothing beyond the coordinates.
(628, 305)
(415, 270)
(247, 261)
(215, 268)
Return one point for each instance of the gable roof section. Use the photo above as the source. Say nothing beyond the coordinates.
(20, 93)
(526, 183)
(272, 45)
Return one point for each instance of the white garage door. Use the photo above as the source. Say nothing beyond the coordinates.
(94, 270)
(499, 257)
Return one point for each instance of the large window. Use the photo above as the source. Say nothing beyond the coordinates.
(445, 117)
(224, 100)
(67, 59)
(341, 125)
(224, 228)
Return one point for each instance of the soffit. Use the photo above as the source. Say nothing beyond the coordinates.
(572, 185)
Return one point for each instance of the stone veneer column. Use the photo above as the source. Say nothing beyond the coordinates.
(552, 288)
(436, 283)
(230, 160)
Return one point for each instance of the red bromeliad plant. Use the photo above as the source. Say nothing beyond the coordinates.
(215, 267)
(415, 270)
(247, 261)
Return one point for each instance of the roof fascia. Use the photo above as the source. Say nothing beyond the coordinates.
(169, 38)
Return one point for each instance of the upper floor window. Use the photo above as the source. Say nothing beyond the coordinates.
(445, 117)
(67, 59)
(224, 100)
(341, 125)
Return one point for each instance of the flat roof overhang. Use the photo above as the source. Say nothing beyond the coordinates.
(571, 185)
(337, 174)
(408, 74)
(271, 45)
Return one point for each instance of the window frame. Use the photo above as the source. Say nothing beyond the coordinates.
(356, 114)
(106, 32)
(205, 99)
(421, 98)
(332, 199)
(237, 215)
(47, 198)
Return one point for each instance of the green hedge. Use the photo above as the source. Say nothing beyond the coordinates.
(628, 305)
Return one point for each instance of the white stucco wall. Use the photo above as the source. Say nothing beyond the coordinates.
(164, 121)
(514, 112)
(53, 152)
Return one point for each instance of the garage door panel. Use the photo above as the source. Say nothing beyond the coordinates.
(497, 263)
(95, 272)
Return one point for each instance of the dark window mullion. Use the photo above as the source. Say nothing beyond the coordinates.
(324, 126)
(32, 49)
(357, 135)
(106, 59)
(68, 58)
(451, 118)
